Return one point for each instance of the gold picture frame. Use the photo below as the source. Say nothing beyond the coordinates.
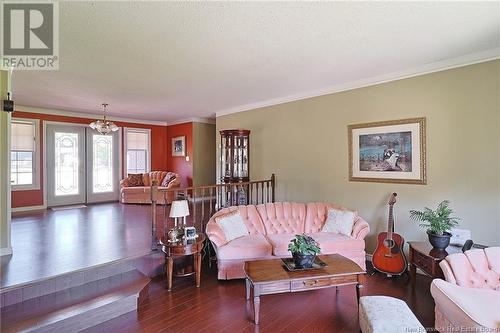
(388, 151)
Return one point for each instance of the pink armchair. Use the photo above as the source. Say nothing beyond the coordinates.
(469, 299)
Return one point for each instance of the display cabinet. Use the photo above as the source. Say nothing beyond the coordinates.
(235, 163)
(235, 155)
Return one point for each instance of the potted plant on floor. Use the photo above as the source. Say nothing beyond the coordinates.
(304, 250)
(437, 222)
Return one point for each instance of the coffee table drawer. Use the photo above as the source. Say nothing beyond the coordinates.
(322, 282)
(275, 287)
(312, 283)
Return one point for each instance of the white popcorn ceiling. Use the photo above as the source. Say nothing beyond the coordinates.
(175, 60)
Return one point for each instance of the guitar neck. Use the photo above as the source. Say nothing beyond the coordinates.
(390, 222)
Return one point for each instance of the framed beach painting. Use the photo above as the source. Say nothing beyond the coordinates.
(388, 152)
(179, 146)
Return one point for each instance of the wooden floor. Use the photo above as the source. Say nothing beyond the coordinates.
(220, 306)
(48, 243)
(51, 243)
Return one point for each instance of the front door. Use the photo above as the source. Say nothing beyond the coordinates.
(65, 165)
(102, 166)
(82, 165)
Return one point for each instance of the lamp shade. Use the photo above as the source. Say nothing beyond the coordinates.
(179, 208)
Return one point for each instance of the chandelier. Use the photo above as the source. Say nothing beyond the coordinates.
(104, 126)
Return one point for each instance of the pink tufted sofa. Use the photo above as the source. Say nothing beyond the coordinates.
(469, 299)
(272, 226)
(142, 194)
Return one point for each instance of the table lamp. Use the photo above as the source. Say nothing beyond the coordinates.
(179, 208)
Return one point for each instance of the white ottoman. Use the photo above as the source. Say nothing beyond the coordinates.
(382, 314)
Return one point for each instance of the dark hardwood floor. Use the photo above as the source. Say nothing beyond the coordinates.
(220, 306)
(48, 243)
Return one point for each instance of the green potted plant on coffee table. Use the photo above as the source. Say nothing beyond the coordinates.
(304, 250)
(437, 222)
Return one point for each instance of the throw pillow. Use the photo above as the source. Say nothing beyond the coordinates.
(167, 179)
(135, 179)
(232, 225)
(339, 221)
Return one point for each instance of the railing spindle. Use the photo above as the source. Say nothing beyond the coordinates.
(202, 208)
(218, 203)
(194, 205)
(262, 193)
(251, 194)
(210, 194)
(257, 193)
(273, 184)
(267, 192)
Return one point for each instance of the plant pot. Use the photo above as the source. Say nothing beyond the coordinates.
(439, 242)
(303, 261)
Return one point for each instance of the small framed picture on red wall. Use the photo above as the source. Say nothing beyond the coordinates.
(179, 146)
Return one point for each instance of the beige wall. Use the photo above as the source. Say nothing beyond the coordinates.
(5, 247)
(204, 154)
(305, 144)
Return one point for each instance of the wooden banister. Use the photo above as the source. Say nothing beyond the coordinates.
(206, 200)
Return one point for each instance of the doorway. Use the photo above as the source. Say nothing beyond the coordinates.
(82, 165)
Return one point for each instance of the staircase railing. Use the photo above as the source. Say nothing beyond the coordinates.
(204, 201)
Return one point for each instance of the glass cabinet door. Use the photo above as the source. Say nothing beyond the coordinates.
(234, 168)
(244, 157)
(234, 155)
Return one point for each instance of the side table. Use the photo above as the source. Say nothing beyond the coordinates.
(423, 256)
(179, 249)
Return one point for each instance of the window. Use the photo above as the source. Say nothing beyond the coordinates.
(137, 148)
(24, 158)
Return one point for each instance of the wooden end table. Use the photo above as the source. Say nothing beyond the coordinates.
(180, 249)
(423, 256)
(270, 277)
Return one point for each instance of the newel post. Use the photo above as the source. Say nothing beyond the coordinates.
(154, 195)
(273, 186)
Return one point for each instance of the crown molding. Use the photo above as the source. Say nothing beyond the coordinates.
(438, 66)
(59, 112)
(193, 120)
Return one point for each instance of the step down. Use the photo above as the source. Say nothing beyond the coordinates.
(78, 308)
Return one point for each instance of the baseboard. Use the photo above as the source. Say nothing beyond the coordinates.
(28, 208)
(5, 251)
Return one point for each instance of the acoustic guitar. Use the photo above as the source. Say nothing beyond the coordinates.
(389, 257)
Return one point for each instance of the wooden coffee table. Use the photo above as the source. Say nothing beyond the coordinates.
(271, 277)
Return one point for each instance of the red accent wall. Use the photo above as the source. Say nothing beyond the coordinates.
(159, 149)
(178, 164)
